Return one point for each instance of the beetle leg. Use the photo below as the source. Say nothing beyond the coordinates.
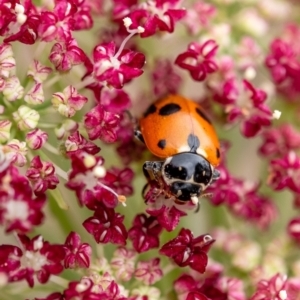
(152, 170)
(138, 135)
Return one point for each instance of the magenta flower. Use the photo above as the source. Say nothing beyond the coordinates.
(245, 104)
(130, 151)
(120, 180)
(115, 101)
(144, 233)
(87, 289)
(284, 172)
(279, 141)
(293, 229)
(165, 209)
(115, 68)
(199, 59)
(68, 102)
(19, 22)
(57, 25)
(86, 179)
(78, 255)
(243, 199)
(102, 124)
(106, 226)
(165, 80)
(199, 16)
(66, 54)
(36, 138)
(39, 260)
(185, 250)
(19, 211)
(281, 60)
(123, 263)
(157, 15)
(42, 176)
(76, 143)
(149, 271)
(272, 289)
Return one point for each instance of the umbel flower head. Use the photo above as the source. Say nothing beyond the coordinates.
(82, 217)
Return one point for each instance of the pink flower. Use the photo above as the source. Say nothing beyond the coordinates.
(199, 16)
(82, 18)
(7, 61)
(77, 254)
(86, 179)
(293, 229)
(68, 102)
(120, 180)
(144, 233)
(38, 72)
(284, 172)
(66, 54)
(101, 124)
(165, 209)
(149, 271)
(186, 250)
(38, 259)
(245, 104)
(284, 65)
(19, 211)
(130, 151)
(272, 289)
(279, 141)
(19, 22)
(82, 289)
(282, 60)
(199, 59)
(57, 25)
(243, 199)
(157, 15)
(115, 101)
(106, 226)
(42, 176)
(87, 289)
(165, 79)
(76, 143)
(123, 263)
(116, 68)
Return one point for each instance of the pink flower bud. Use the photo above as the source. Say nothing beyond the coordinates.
(35, 95)
(7, 61)
(38, 72)
(68, 102)
(36, 138)
(16, 152)
(13, 89)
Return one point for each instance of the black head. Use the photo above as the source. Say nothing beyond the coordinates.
(188, 175)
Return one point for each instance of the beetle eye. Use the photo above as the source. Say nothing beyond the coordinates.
(172, 171)
(202, 174)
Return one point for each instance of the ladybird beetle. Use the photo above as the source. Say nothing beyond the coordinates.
(177, 130)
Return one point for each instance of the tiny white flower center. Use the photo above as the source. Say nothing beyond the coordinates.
(33, 260)
(16, 210)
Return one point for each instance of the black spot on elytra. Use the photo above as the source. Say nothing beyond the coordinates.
(161, 144)
(202, 115)
(218, 153)
(193, 142)
(169, 109)
(151, 110)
